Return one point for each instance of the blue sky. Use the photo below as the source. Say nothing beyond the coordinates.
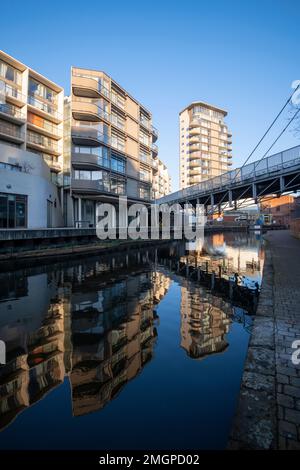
(239, 55)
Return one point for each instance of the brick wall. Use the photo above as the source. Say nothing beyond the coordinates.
(295, 227)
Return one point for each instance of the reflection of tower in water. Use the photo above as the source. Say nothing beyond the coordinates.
(205, 320)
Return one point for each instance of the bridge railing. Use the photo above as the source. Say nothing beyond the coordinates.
(270, 164)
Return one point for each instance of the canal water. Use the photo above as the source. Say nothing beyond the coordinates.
(126, 352)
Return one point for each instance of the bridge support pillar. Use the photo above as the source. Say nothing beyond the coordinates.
(230, 197)
(282, 184)
(254, 192)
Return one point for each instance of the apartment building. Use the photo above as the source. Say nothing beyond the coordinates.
(161, 180)
(205, 143)
(31, 150)
(112, 148)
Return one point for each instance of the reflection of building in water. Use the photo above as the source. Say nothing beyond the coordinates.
(113, 338)
(74, 322)
(242, 254)
(34, 343)
(205, 320)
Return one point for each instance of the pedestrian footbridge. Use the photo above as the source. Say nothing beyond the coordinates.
(276, 174)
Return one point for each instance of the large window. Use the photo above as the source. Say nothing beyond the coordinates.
(144, 138)
(10, 73)
(118, 99)
(117, 141)
(101, 176)
(144, 191)
(144, 174)
(118, 185)
(117, 163)
(38, 89)
(118, 120)
(13, 211)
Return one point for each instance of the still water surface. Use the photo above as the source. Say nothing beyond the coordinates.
(125, 352)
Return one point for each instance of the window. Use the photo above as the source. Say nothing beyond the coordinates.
(13, 211)
(90, 175)
(10, 73)
(118, 99)
(144, 138)
(117, 185)
(38, 89)
(117, 141)
(117, 163)
(144, 174)
(117, 120)
(144, 156)
(10, 167)
(144, 191)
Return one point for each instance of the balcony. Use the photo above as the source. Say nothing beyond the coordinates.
(86, 135)
(12, 93)
(11, 133)
(45, 128)
(86, 161)
(88, 87)
(54, 165)
(195, 163)
(154, 134)
(88, 186)
(154, 149)
(11, 113)
(39, 142)
(44, 109)
(194, 131)
(83, 110)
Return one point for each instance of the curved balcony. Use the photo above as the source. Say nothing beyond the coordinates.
(195, 163)
(88, 136)
(195, 171)
(195, 131)
(195, 123)
(196, 147)
(88, 87)
(88, 187)
(154, 134)
(84, 111)
(154, 149)
(86, 161)
(11, 113)
(195, 139)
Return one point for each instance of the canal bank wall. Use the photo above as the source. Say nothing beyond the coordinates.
(268, 411)
(49, 242)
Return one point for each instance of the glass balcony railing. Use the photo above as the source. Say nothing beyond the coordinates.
(45, 107)
(42, 141)
(93, 106)
(11, 91)
(99, 86)
(47, 126)
(154, 148)
(11, 131)
(11, 110)
(87, 132)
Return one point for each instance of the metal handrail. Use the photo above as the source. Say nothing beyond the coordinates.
(272, 163)
(45, 107)
(11, 110)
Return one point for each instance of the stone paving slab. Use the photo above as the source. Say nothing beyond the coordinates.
(268, 412)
